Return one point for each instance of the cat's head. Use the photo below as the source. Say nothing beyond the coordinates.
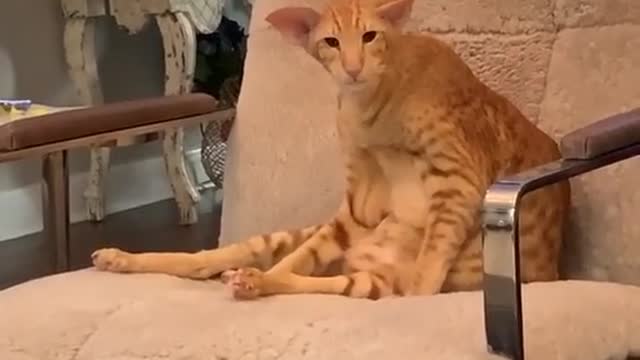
(349, 38)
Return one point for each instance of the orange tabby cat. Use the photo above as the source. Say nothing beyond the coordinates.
(423, 139)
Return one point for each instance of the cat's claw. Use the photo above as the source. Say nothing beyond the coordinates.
(245, 284)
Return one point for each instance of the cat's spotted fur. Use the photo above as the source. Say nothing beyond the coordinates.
(423, 139)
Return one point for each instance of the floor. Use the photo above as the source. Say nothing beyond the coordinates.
(148, 228)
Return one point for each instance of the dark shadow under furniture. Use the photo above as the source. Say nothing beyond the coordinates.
(146, 228)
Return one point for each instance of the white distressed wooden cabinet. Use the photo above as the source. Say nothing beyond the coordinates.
(178, 21)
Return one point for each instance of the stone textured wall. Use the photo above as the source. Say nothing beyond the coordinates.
(564, 63)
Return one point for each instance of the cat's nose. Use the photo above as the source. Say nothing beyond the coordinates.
(354, 72)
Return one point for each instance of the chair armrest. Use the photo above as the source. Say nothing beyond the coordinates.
(595, 146)
(602, 136)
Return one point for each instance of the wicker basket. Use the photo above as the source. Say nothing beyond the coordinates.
(216, 133)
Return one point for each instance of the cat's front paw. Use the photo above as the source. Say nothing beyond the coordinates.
(111, 259)
(245, 283)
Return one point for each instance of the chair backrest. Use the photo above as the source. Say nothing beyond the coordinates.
(563, 66)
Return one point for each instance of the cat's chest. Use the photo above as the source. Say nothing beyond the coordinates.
(368, 127)
(404, 174)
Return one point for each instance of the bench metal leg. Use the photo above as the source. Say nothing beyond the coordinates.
(55, 207)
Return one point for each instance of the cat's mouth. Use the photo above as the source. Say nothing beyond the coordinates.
(357, 83)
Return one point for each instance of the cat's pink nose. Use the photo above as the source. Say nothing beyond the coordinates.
(354, 72)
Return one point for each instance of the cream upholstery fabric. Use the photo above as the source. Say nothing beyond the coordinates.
(564, 66)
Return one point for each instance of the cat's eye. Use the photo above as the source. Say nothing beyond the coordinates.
(369, 36)
(333, 42)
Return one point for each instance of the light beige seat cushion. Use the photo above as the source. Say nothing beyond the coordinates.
(284, 170)
(89, 315)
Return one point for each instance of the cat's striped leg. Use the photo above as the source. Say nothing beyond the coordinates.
(325, 247)
(372, 273)
(250, 283)
(452, 220)
(322, 249)
(258, 251)
(293, 274)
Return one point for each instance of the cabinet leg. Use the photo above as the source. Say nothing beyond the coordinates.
(79, 45)
(94, 194)
(179, 40)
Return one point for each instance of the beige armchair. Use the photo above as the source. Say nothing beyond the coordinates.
(566, 65)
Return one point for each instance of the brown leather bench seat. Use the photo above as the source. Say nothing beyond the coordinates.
(79, 123)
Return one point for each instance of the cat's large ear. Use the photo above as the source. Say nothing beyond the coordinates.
(294, 23)
(396, 12)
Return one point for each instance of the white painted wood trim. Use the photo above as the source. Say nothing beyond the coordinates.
(80, 53)
(179, 42)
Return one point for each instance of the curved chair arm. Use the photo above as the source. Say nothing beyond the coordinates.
(595, 146)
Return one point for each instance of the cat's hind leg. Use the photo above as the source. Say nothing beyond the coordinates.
(258, 251)
(250, 283)
(372, 265)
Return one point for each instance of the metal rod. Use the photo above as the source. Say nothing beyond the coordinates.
(55, 207)
(502, 297)
(501, 248)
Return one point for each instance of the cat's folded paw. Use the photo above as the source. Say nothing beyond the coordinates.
(111, 259)
(245, 283)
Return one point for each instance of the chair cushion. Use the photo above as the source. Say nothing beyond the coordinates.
(95, 315)
(73, 124)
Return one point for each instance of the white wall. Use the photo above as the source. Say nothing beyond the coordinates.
(32, 66)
